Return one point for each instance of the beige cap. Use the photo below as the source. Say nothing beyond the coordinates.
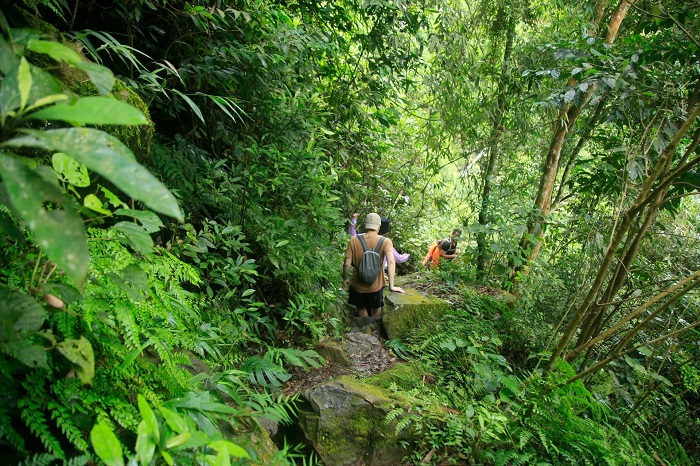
(373, 221)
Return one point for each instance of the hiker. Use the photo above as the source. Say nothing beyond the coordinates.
(369, 297)
(384, 228)
(446, 249)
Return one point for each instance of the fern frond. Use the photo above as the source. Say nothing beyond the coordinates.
(33, 416)
(80, 460)
(8, 433)
(40, 459)
(63, 419)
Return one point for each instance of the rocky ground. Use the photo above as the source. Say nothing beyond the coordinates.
(365, 351)
(364, 344)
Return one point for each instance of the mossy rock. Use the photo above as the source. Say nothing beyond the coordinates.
(403, 313)
(137, 138)
(405, 376)
(347, 424)
(255, 440)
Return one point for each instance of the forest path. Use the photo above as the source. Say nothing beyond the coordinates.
(362, 351)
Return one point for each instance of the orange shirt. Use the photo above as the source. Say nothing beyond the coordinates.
(355, 251)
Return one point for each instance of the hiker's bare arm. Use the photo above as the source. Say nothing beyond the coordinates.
(391, 265)
(346, 272)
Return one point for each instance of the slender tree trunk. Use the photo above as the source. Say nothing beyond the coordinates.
(494, 140)
(647, 199)
(592, 122)
(531, 241)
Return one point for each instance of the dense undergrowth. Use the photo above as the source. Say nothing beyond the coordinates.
(154, 297)
(476, 399)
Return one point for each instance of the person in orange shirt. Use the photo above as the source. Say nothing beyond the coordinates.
(445, 249)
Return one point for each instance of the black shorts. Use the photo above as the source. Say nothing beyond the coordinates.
(366, 300)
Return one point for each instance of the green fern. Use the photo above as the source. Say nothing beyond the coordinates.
(61, 415)
(8, 434)
(33, 414)
(264, 372)
(59, 7)
(40, 459)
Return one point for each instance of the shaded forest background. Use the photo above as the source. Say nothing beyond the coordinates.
(561, 137)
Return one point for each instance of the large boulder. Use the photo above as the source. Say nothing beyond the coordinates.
(406, 312)
(255, 439)
(346, 422)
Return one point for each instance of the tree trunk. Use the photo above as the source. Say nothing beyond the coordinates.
(641, 211)
(531, 241)
(496, 130)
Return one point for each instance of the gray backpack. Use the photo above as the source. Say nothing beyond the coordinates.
(370, 263)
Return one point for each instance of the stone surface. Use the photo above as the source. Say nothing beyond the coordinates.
(411, 310)
(255, 439)
(346, 423)
(333, 352)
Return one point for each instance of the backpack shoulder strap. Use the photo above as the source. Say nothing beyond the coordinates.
(379, 244)
(362, 242)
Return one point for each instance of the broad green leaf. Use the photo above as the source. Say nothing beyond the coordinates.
(24, 82)
(635, 365)
(59, 232)
(19, 312)
(27, 353)
(9, 92)
(55, 50)
(70, 170)
(177, 440)
(201, 402)
(106, 445)
(80, 353)
(294, 360)
(109, 157)
(149, 418)
(229, 447)
(112, 198)
(43, 85)
(150, 221)
(48, 100)
(167, 457)
(94, 203)
(101, 76)
(135, 236)
(145, 445)
(661, 379)
(8, 58)
(219, 460)
(95, 110)
(176, 422)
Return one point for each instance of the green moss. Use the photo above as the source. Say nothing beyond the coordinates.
(256, 441)
(136, 138)
(411, 311)
(405, 376)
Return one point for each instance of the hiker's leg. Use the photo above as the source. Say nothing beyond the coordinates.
(360, 301)
(429, 256)
(436, 258)
(376, 303)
